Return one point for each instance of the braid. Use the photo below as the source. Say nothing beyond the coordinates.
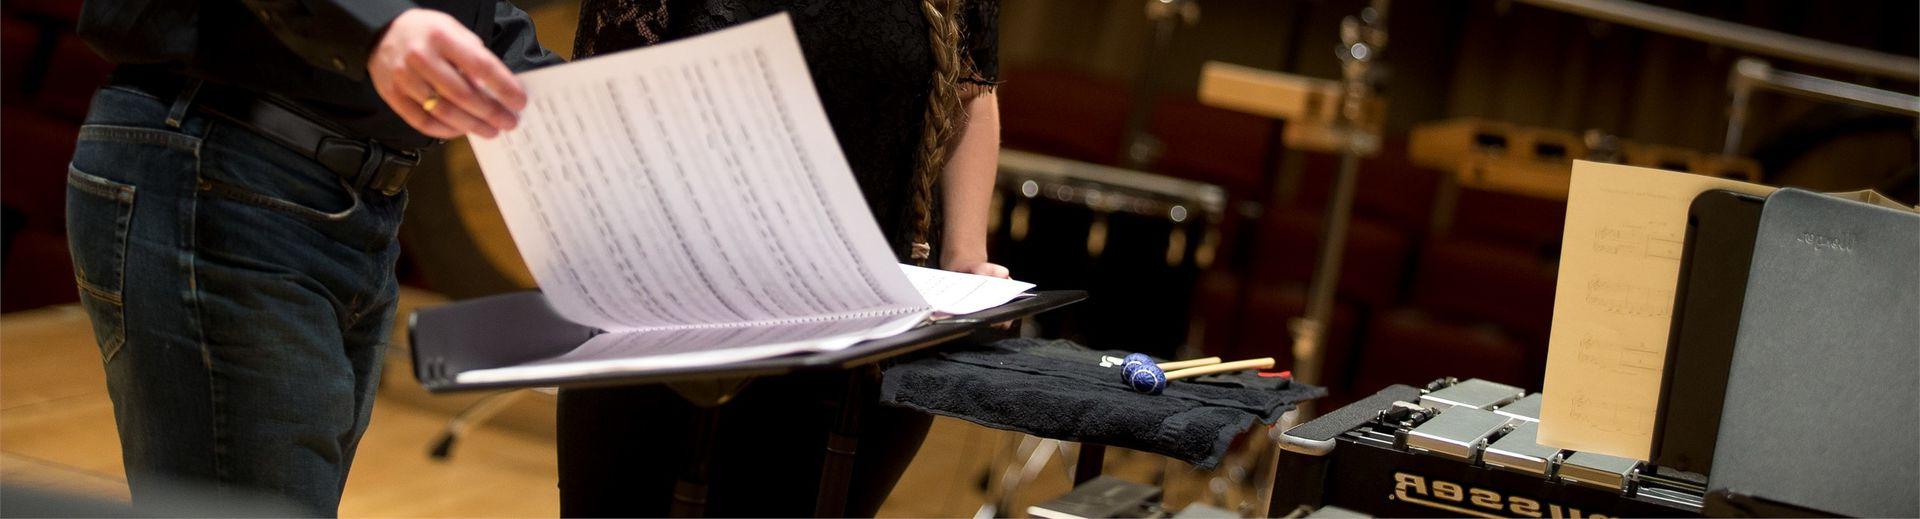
(943, 117)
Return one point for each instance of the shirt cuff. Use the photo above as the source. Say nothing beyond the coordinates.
(368, 19)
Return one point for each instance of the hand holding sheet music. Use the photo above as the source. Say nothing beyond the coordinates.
(689, 198)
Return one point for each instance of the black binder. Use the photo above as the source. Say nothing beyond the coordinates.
(1706, 318)
(1823, 395)
(513, 329)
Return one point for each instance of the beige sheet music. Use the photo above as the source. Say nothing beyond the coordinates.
(1613, 304)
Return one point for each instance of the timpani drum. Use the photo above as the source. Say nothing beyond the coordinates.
(1135, 241)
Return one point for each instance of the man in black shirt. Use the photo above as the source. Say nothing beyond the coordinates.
(232, 209)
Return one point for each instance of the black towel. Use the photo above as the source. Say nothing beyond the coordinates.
(1058, 389)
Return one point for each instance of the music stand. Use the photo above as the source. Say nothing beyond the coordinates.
(512, 329)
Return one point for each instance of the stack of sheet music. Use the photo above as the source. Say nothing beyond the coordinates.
(690, 199)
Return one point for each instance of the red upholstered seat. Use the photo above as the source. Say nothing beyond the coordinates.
(37, 272)
(33, 166)
(61, 11)
(1062, 112)
(1501, 217)
(1373, 265)
(73, 74)
(1262, 331)
(44, 98)
(17, 40)
(1212, 145)
(71, 71)
(1483, 281)
(1411, 347)
(1389, 189)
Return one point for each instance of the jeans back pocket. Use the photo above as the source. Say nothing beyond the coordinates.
(99, 214)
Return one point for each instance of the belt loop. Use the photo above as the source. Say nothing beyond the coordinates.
(370, 166)
(178, 113)
(394, 171)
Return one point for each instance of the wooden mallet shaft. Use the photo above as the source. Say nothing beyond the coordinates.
(1259, 363)
(1184, 364)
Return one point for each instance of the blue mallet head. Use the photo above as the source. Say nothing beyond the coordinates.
(1147, 379)
(1132, 363)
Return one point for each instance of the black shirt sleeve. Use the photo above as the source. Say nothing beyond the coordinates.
(980, 27)
(332, 35)
(512, 38)
(137, 32)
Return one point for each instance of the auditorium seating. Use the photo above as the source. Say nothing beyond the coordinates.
(49, 76)
(1415, 301)
(1063, 112)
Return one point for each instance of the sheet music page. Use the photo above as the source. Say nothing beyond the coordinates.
(956, 293)
(670, 348)
(952, 293)
(1613, 304)
(687, 184)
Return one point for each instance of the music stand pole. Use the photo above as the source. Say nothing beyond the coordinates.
(1309, 332)
(690, 492)
(1362, 39)
(843, 443)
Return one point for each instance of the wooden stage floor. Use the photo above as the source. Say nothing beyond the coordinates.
(56, 431)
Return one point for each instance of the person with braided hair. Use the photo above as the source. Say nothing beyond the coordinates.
(908, 87)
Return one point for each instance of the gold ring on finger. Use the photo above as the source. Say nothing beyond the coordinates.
(430, 103)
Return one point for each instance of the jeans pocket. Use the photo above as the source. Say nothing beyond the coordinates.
(284, 205)
(240, 166)
(99, 214)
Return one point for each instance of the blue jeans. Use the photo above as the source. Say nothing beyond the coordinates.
(241, 295)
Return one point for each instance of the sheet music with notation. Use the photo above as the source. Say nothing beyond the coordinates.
(1613, 304)
(690, 199)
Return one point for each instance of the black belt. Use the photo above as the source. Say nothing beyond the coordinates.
(364, 163)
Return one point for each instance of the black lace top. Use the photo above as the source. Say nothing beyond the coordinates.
(870, 61)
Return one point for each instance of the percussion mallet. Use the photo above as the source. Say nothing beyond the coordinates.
(1134, 361)
(1150, 379)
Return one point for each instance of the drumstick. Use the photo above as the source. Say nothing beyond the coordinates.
(1259, 363)
(1184, 364)
(1133, 361)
